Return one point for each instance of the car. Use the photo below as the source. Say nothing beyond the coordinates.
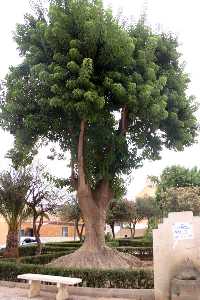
(2, 247)
(25, 241)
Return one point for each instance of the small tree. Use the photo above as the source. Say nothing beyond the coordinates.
(180, 199)
(42, 201)
(14, 186)
(135, 217)
(70, 211)
(118, 211)
(172, 180)
(148, 208)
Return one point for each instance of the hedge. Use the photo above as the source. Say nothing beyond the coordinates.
(64, 244)
(74, 244)
(51, 249)
(31, 250)
(135, 243)
(27, 250)
(113, 243)
(133, 279)
(143, 253)
(42, 259)
(36, 259)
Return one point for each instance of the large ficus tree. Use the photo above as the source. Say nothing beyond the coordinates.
(111, 96)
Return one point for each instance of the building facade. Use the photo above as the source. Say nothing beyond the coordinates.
(52, 230)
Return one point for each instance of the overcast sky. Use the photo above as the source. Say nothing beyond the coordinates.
(178, 16)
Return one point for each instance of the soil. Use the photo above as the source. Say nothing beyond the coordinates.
(106, 258)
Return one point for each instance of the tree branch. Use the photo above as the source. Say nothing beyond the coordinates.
(74, 177)
(123, 123)
(81, 170)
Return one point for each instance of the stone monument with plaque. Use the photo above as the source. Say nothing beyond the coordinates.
(176, 241)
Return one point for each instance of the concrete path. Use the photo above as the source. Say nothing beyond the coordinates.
(9, 293)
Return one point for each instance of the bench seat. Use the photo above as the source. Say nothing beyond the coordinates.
(62, 283)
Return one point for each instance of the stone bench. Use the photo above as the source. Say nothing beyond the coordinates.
(62, 283)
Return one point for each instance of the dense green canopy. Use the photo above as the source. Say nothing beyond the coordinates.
(78, 64)
(178, 189)
(178, 176)
(180, 199)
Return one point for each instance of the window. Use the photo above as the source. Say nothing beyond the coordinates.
(22, 232)
(64, 231)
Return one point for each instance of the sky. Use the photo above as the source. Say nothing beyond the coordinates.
(177, 16)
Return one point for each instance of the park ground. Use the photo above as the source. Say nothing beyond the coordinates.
(18, 291)
(7, 293)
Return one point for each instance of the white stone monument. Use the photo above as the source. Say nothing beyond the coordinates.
(176, 240)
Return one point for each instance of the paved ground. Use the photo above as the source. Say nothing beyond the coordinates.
(21, 294)
(7, 293)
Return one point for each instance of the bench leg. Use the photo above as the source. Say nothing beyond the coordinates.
(62, 292)
(34, 288)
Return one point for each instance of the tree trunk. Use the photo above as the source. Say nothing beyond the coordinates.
(148, 223)
(39, 244)
(79, 232)
(133, 231)
(12, 244)
(36, 233)
(94, 253)
(112, 226)
(75, 230)
(94, 203)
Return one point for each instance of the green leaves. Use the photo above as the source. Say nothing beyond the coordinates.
(80, 63)
(14, 186)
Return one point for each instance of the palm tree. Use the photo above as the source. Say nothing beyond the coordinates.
(14, 186)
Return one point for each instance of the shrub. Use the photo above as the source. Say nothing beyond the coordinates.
(113, 243)
(27, 250)
(50, 249)
(135, 243)
(31, 250)
(42, 259)
(133, 279)
(64, 244)
(108, 237)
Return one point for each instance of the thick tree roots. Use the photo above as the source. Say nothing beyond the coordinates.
(105, 258)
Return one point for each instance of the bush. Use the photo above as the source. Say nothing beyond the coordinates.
(50, 249)
(42, 259)
(27, 250)
(143, 253)
(31, 250)
(135, 243)
(108, 237)
(65, 244)
(113, 243)
(133, 279)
